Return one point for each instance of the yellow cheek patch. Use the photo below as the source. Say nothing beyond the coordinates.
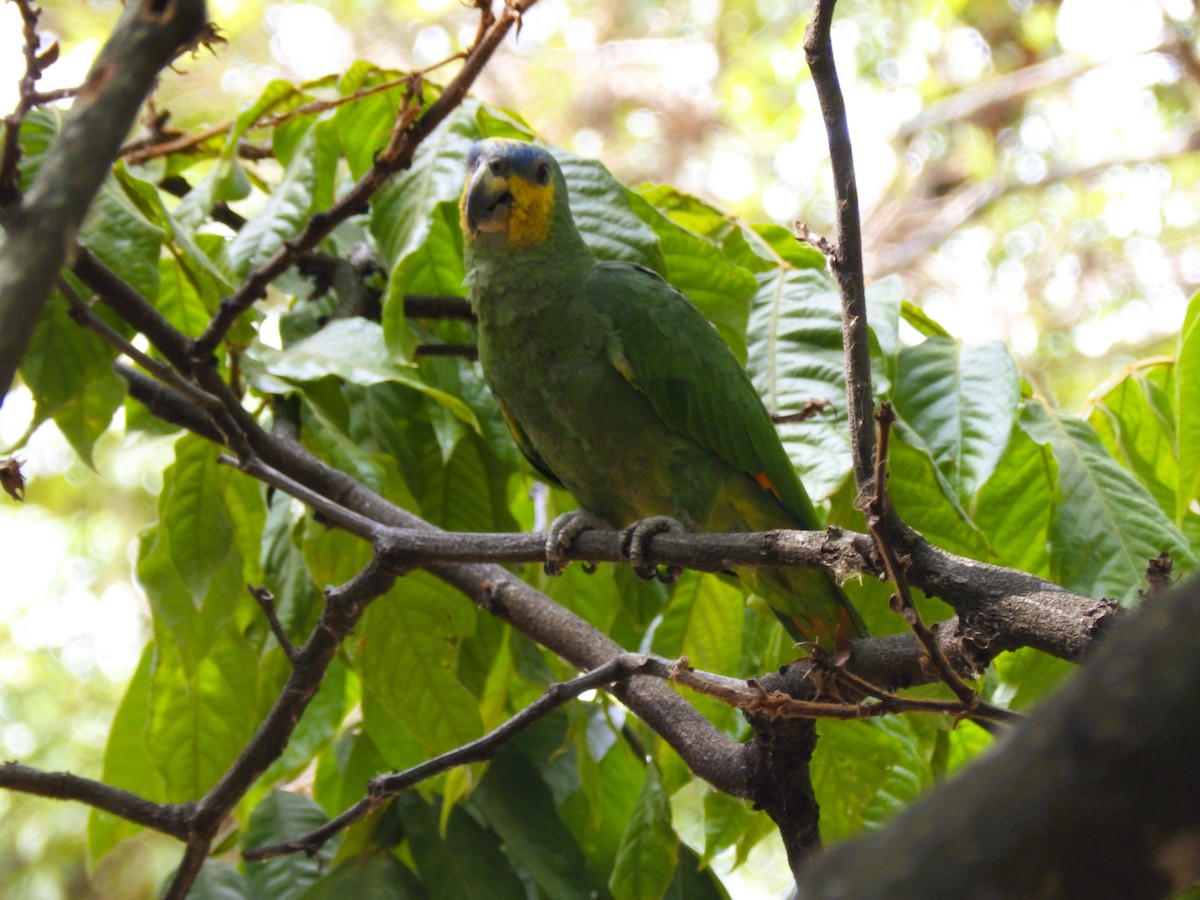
(531, 206)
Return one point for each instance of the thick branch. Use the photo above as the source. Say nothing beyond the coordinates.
(1093, 796)
(41, 230)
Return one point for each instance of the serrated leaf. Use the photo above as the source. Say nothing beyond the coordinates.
(518, 806)
(282, 215)
(282, 815)
(649, 848)
(408, 657)
(962, 400)
(1106, 526)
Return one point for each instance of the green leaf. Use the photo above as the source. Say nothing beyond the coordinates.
(865, 772)
(69, 372)
(402, 211)
(1187, 409)
(218, 880)
(218, 184)
(466, 862)
(280, 816)
(601, 208)
(1015, 506)
(353, 350)
(201, 719)
(1106, 525)
(519, 807)
(365, 125)
(962, 400)
(408, 654)
(925, 500)
(693, 880)
(435, 267)
(379, 876)
(704, 623)
(697, 267)
(649, 849)
(726, 819)
(778, 245)
(125, 766)
(1136, 422)
(795, 357)
(610, 777)
(119, 234)
(282, 215)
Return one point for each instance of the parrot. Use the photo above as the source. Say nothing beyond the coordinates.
(616, 388)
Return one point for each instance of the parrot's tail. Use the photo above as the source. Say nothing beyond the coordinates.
(810, 605)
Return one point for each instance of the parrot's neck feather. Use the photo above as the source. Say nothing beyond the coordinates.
(509, 283)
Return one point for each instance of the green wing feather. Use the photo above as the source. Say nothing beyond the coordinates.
(673, 355)
(526, 446)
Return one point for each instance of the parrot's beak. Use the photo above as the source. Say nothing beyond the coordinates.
(488, 202)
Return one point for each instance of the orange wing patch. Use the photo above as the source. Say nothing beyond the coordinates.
(764, 482)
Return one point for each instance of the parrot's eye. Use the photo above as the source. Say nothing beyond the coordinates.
(541, 173)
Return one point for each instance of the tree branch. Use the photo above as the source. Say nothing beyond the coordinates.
(167, 818)
(411, 130)
(1093, 796)
(41, 230)
(845, 260)
(384, 787)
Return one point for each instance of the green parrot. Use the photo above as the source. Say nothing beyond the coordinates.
(617, 388)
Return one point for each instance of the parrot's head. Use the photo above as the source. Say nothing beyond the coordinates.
(513, 195)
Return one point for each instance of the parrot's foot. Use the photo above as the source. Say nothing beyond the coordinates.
(636, 538)
(562, 534)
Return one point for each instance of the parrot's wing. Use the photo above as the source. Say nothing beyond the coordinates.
(672, 354)
(526, 446)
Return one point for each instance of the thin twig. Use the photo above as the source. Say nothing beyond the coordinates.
(845, 256)
(877, 513)
(266, 602)
(412, 127)
(384, 787)
(165, 817)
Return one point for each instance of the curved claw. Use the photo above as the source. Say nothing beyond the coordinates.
(635, 541)
(562, 533)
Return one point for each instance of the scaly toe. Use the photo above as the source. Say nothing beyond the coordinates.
(561, 535)
(635, 542)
